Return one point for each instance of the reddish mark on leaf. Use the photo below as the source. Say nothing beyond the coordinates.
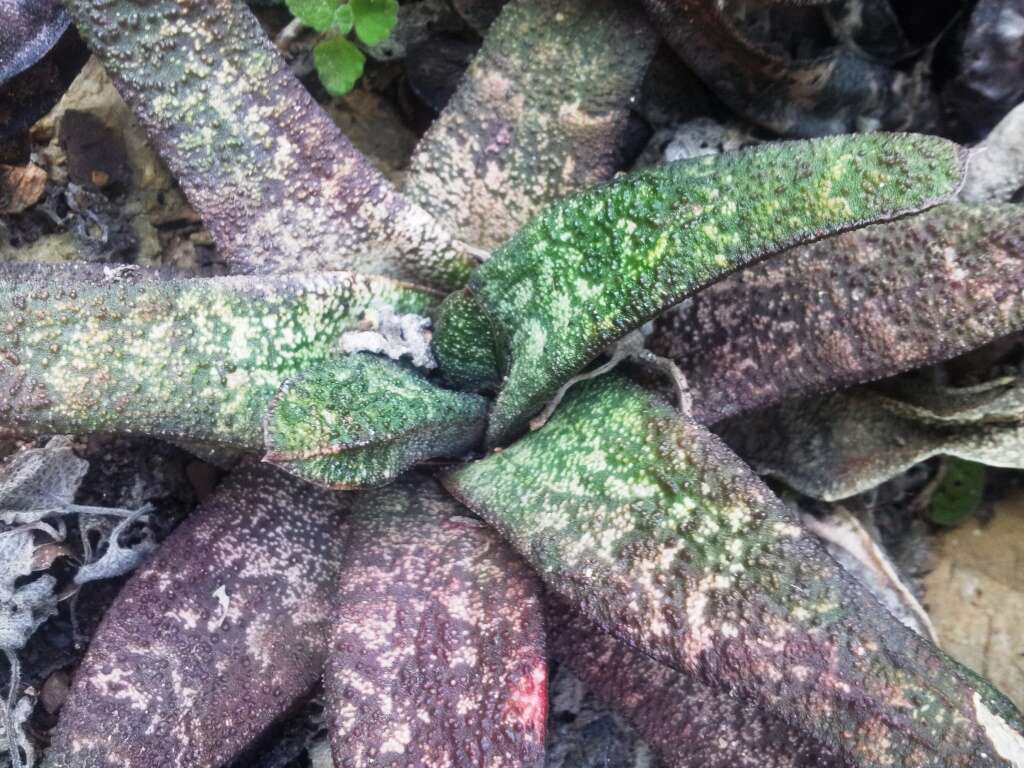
(528, 700)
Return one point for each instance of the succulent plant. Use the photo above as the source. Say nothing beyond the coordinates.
(670, 568)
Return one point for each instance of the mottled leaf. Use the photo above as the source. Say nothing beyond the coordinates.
(279, 186)
(463, 344)
(520, 133)
(846, 443)
(860, 554)
(600, 264)
(187, 359)
(656, 532)
(689, 724)
(361, 420)
(437, 647)
(853, 308)
(220, 633)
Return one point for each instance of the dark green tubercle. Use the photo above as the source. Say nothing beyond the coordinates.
(359, 421)
(463, 344)
(657, 533)
(594, 267)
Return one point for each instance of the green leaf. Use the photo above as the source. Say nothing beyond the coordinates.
(463, 344)
(361, 420)
(959, 493)
(344, 19)
(339, 64)
(183, 359)
(374, 19)
(318, 14)
(590, 269)
(654, 530)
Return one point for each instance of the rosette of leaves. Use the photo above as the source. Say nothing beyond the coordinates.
(338, 60)
(626, 508)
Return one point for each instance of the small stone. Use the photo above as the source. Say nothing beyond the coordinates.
(55, 691)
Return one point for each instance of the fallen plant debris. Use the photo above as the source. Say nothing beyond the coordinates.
(37, 491)
(838, 445)
(434, 476)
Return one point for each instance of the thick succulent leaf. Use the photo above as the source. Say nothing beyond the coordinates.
(863, 305)
(655, 531)
(843, 444)
(437, 647)
(361, 420)
(689, 724)
(860, 554)
(463, 344)
(829, 93)
(519, 133)
(189, 359)
(278, 185)
(30, 29)
(600, 264)
(218, 634)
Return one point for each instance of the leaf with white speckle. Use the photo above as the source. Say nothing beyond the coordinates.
(221, 632)
(600, 264)
(656, 532)
(437, 643)
(361, 420)
(183, 359)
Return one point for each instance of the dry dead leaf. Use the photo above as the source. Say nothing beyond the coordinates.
(975, 596)
(21, 187)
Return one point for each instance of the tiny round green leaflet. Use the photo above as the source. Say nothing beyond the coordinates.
(338, 61)
(318, 14)
(374, 19)
(339, 64)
